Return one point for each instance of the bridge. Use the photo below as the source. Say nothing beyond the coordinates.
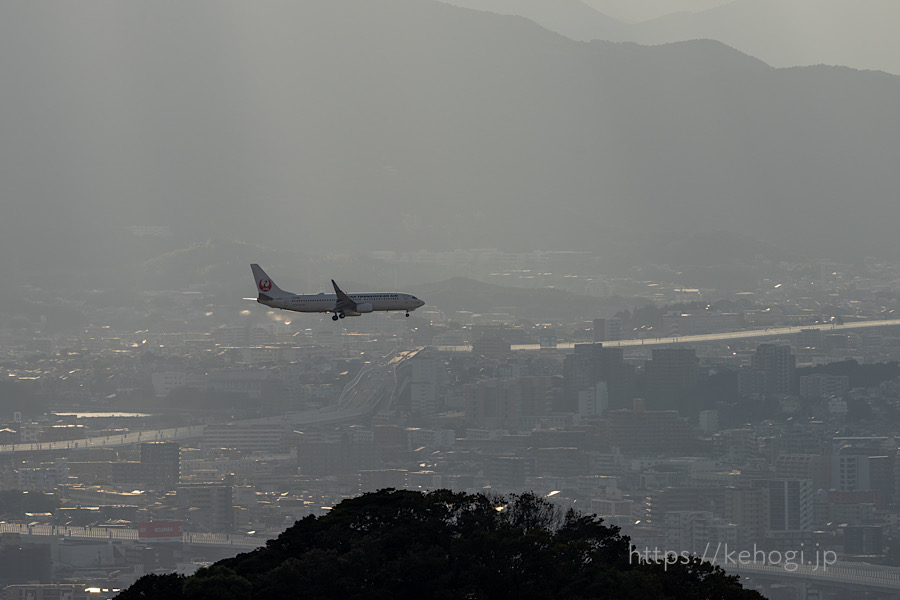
(754, 333)
(704, 337)
(877, 579)
(109, 441)
(46, 533)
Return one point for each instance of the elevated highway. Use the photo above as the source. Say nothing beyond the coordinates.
(877, 579)
(769, 332)
(372, 389)
(109, 441)
(753, 333)
(46, 533)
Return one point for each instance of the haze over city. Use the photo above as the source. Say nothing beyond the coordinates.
(619, 216)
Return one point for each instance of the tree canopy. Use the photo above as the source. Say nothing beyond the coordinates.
(445, 545)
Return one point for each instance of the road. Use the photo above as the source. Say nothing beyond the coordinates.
(752, 333)
(126, 439)
(706, 337)
(857, 575)
(129, 535)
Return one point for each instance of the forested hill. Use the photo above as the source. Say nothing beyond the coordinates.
(445, 545)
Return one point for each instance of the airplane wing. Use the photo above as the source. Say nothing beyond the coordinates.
(344, 302)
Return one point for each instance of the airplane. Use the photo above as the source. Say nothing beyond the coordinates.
(339, 303)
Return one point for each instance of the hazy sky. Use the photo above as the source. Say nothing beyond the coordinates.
(641, 10)
(410, 124)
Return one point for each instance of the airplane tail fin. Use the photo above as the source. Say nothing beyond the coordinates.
(264, 284)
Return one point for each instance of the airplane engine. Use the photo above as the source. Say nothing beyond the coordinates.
(364, 308)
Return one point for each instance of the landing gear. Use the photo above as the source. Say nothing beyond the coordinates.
(341, 315)
(407, 314)
(334, 318)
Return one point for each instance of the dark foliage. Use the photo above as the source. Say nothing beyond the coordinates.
(445, 545)
(155, 586)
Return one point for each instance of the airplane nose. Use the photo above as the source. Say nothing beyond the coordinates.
(420, 303)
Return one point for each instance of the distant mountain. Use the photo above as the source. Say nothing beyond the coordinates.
(783, 33)
(354, 125)
(631, 11)
(571, 18)
(790, 33)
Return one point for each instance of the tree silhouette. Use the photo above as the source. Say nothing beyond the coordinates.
(152, 586)
(395, 545)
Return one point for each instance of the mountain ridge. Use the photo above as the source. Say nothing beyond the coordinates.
(391, 124)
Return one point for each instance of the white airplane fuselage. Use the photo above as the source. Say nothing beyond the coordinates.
(339, 303)
(365, 303)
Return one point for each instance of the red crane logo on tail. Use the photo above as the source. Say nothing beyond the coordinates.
(265, 285)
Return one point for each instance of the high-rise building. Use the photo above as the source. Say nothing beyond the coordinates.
(159, 467)
(684, 528)
(855, 470)
(423, 385)
(747, 507)
(670, 372)
(606, 330)
(502, 403)
(876, 460)
(695, 530)
(591, 363)
(750, 508)
(881, 475)
(735, 445)
(820, 386)
(509, 471)
(709, 421)
(810, 339)
(805, 466)
(206, 507)
(790, 503)
(593, 401)
(850, 473)
(166, 460)
(751, 382)
(778, 364)
(864, 540)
